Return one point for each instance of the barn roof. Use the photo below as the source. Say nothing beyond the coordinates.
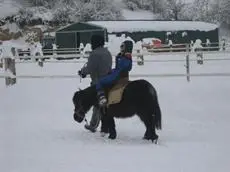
(80, 27)
(138, 26)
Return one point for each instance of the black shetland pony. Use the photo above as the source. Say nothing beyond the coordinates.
(139, 97)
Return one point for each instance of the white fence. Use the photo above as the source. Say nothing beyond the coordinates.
(80, 58)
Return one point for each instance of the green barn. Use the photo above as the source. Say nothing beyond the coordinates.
(72, 35)
(163, 30)
(178, 31)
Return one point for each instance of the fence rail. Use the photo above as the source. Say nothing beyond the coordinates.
(67, 53)
(77, 58)
(132, 75)
(146, 60)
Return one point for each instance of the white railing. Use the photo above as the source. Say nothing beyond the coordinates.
(183, 47)
(78, 56)
(186, 54)
(131, 75)
(67, 53)
(134, 60)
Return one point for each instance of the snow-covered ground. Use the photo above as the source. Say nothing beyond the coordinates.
(139, 14)
(8, 7)
(38, 132)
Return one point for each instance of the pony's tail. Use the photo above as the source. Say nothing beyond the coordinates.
(157, 116)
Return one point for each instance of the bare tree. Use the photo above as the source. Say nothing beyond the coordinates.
(201, 9)
(225, 11)
(45, 3)
(173, 9)
(156, 6)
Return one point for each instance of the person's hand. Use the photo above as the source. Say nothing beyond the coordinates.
(81, 74)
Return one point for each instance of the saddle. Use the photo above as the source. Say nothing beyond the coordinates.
(116, 92)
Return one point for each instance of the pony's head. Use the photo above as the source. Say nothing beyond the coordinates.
(83, 100)
(79, 112)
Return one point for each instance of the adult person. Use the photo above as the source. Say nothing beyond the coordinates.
(121, 70)
(99, 65)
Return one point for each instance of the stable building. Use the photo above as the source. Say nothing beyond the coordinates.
(177, 31)
(72, 35)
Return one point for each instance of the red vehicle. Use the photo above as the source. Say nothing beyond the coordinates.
(150, 43)
(155, 45)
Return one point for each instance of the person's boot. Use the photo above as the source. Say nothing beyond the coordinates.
(95, 120)
(102, 101)
(90, 128)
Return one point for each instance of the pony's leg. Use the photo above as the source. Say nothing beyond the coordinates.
(104, 121)
(154, 135)
(150, 133)
(112, 130)
(104, 124)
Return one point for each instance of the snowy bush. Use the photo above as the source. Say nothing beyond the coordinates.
(220, 11)
(24, 16)
(152, 5)
(132, 5)
(33, 15)
(62, 15)
(67, 11)
(99, 10)
(44, 3)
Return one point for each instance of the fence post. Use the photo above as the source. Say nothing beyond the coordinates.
(6, 65)
(40, 62)
(200, 58)
(10, 68)
(187, 66)
(1, 63)
(13, 66)
(140, 58)
(9, 64)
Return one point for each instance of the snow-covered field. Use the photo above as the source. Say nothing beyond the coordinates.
(38, 133)
(9, 7)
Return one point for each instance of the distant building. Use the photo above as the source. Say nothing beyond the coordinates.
(178, 31)
(73, 35)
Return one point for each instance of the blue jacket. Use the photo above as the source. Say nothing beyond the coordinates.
(121, 70)
(123, 64)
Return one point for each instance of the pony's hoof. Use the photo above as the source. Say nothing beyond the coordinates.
(112, 136)
(154, 138)
(103, 134)
(104, 130)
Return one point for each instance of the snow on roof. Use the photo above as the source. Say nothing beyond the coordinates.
(133, 26)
